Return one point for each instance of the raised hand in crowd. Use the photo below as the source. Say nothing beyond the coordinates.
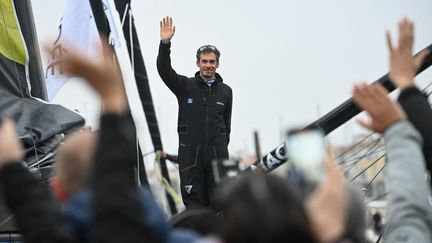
(326, 206)
(413, 101)
(383, 111)
(408, 209)
(104, 76)
(167, 30)
(403, 66)
(10, 146)
(116, 206)
(35, 212)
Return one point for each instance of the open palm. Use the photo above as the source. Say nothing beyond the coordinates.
(167, 29)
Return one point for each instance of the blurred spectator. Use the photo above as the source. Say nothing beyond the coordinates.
(264, 208)
(355, 215)
(72, 170)
(204, 221)
(72, 164)
(356, 221)
(36, 212)
(75, 160)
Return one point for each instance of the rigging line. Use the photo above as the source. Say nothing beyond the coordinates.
(355, 151)
(137, 160)
(353, 166)
(379, 238)
(6, 220)
(124, 14)
(149, 153)
(369, 146)
(425, 89)
(379, 172)
(355, 145)
(357, 159)
(35, 150)
(371, 150)
(133, 69)
(46, 158)
(16, 71)
(132, 48)
(348, 170)
(427, 86)
(46, 167)
(368, 167)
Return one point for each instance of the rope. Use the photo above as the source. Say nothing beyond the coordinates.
(168, 188)
(368, 167)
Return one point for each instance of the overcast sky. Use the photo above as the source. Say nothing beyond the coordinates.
(287, 61)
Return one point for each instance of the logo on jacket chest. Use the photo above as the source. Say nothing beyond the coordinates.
(190, 100)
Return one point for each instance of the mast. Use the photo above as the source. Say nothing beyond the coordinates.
(135, 75)
(142, 82)
(35, 72)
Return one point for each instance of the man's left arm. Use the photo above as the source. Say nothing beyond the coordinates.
(227, 116)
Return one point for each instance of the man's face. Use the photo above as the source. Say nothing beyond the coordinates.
(207, 65)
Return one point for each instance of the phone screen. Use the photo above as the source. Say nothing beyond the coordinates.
(306, 150)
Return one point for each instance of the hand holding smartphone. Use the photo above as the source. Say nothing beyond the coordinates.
(306, 152)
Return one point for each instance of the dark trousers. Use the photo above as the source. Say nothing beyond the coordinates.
(196, 174)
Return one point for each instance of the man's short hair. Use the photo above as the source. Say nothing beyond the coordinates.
(208, 49)
(73, 160)
(261, 208)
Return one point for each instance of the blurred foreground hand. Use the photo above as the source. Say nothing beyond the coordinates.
(10, 146)
(326, 206)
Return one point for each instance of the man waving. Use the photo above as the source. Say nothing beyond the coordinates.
(204, 117)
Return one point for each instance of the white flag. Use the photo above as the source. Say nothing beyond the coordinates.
(77, 29)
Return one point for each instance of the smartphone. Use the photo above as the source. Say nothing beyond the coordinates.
(306, 151)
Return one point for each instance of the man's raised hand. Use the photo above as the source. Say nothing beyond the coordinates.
(167, 30)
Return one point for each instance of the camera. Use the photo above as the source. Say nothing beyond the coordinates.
(225, 169)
